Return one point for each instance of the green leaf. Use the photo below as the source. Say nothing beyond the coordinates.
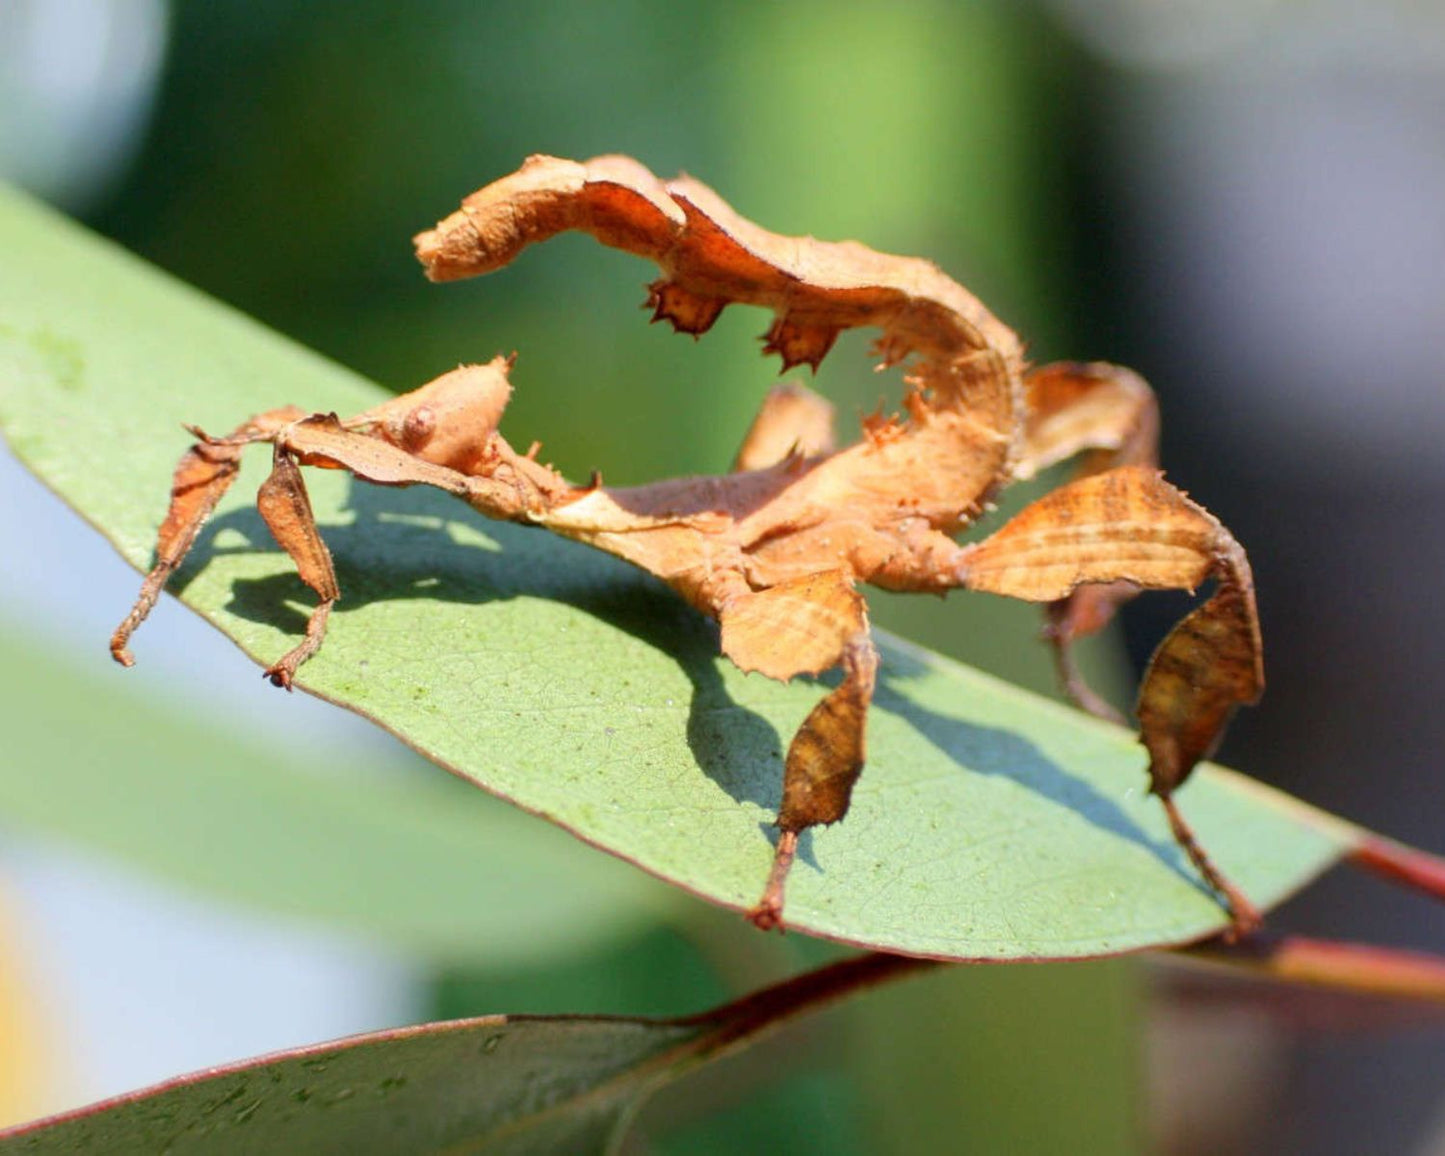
(498, 1084)
(988, 825)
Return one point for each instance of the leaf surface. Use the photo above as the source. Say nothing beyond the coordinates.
(988, 824)
(496, 1084)
(493, 1085)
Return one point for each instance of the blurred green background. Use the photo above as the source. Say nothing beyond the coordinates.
(280, 155)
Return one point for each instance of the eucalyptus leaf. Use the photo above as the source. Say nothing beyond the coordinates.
(497, 1084)
(989, 824)
(493, 1085)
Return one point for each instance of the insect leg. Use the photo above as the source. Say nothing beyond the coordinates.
(793, 420)
(1109, 416)
(1130, 525)
(806, 626)
(286, 509)
(824, 761)
(203, 475)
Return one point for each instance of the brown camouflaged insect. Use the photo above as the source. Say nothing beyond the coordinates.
(776, 549)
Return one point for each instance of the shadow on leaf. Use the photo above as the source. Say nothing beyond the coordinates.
(402, 544)
(994, 751)
(399, 547)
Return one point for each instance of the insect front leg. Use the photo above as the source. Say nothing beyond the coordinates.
(323, 440)
(202, 477)
(286, 509)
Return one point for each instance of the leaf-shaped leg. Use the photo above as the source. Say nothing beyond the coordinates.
(792, 422)
(1109, 415)
(804, 627)
(286, 509)
(203, 475)
(1104, 410)
(522, 488)
(1131, 525)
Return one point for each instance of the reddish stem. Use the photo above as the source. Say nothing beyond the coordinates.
(1332, 963)
(763, 1011)
(1401, 864)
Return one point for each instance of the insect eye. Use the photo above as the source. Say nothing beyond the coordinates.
(420, 424)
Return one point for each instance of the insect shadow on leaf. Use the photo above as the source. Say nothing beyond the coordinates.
(992, 751)
(397, 546)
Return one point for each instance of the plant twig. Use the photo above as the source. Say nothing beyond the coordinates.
(1363, 968)
(762, 1011)
(1400, 864)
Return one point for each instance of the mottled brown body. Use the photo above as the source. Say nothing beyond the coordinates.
(775, 550)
